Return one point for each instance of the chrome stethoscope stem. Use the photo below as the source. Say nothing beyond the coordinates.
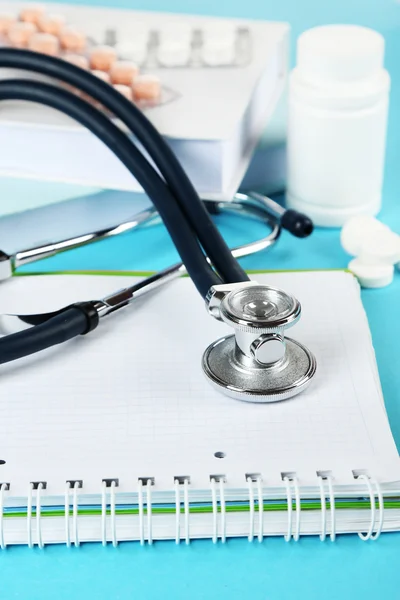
(33, 254)
(242, 205)
(125, 296)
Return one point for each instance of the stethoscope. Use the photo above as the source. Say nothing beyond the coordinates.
(258, 362)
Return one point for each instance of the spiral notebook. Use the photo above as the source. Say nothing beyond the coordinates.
(118, 436)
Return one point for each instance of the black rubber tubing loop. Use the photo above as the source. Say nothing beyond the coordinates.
(181, 233)
(159, 151)
(64, 326)
(75, 320)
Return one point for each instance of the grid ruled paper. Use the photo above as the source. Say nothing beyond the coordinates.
(130, 399)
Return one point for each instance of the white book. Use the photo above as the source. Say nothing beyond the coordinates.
(212, 116)
(130, 442)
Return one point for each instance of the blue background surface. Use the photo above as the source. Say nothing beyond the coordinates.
(273, 570)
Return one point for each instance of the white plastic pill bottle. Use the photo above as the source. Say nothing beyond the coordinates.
(337, 121)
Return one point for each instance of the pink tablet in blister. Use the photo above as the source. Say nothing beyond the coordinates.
(101, 58)
(19, 34)
(32, 13)
(72, 39)
(146, 87)
(124, 72)
(6, 21)
(45, 43)
(51, 23)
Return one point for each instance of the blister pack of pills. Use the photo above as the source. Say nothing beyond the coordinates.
(127, 56)
(35, 28)
(208, 84)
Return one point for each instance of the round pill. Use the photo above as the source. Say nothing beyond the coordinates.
(146, 87)
(51, 23)
(371, 276)
(46, 43)
(102, 57)
(6, 20)
(219, 43)
(135, 50)
(356, 231)
(72, 39)
(31, 13)
(19, 34)
(218, 52)
(124, 72)
(125, 90)
(79, 60)
(174, 54)
(366, 237)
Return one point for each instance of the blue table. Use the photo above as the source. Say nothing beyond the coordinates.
(273, 570)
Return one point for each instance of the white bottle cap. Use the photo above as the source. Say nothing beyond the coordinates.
(340, 53)
(371, 276)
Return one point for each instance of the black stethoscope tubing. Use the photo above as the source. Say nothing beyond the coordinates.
(153, 143)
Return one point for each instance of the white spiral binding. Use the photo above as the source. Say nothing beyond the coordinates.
(29, 515)
(187, 510)
(251, 509)
(370, 535)
(288, 536)
(291, 482)
(260, 510)
(322, 535)
(113, 515)
(103, 513)
(333, 509)
(66, 513)
(3, 488)
(215, 511)
(381, 509)
(149, 513)
(140, 508)
(177, 512)
(223, 509)
(298, 509)
(321, 480)
(222, 504)
(75, 513)
(38, 515)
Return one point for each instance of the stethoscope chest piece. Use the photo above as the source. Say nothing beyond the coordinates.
(257, 363)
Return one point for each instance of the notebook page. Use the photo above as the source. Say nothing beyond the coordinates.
(130, 400)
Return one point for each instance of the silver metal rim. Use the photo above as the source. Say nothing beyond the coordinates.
(246, 394)
(288, 320)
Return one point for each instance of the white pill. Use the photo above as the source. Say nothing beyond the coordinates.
(371, 240)
(355, 232)
(219, 43)
(218, 52)
(382, 248)
(174, 54)
(371, 276)
(135, 50)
